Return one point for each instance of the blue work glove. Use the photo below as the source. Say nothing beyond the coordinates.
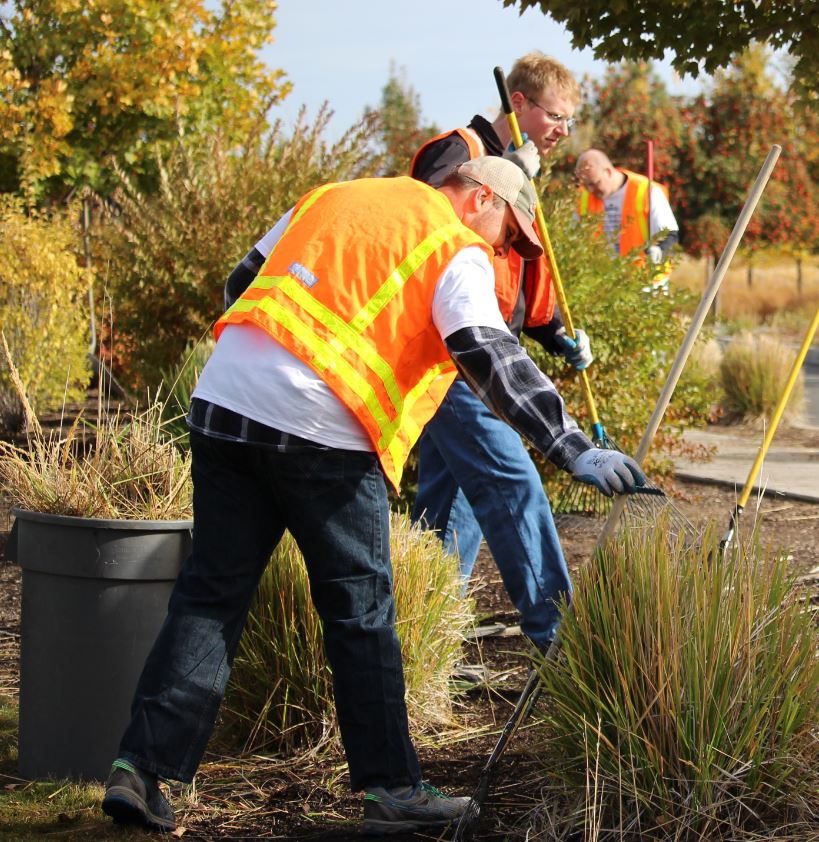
(577, 351)
(610, 471)
(526, 157)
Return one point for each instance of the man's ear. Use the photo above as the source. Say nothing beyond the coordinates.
(517, 99)
(482, 197)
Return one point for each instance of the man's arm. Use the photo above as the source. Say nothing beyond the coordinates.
(662, 219)
(242, 276)
(503, 376)
(245, 271)
(545, 334)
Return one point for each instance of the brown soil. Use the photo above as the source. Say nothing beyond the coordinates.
(257, 798)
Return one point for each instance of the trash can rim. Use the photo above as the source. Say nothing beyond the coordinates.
(100, 523)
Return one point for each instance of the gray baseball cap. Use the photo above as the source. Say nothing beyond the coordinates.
(509, 181)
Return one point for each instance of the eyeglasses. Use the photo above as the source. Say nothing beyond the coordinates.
(555, 118)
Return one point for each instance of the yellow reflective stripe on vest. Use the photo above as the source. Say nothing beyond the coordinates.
(584, 202)
(313, 198)
(639, 204)
(324, 354)
(343, 335)
(397, 447)
(399, 276)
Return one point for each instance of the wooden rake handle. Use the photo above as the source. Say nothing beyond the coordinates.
(697, 321)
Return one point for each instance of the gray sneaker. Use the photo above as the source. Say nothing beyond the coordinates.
(406, 809)
(134, 798)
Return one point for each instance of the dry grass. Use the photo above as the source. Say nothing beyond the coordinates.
(773, 298)
(121, 465)
(754, 372)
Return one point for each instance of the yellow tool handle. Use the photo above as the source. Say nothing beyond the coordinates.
(777, 415)
(512, 120)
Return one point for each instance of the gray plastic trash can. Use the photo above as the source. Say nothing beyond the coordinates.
(94, 595)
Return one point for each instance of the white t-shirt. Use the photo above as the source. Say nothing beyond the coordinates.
(661, 217)
(251, 373)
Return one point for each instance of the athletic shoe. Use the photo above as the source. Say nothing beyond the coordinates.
(406, 809)
(133, 797)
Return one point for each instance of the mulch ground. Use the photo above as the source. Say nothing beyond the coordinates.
(265, 798)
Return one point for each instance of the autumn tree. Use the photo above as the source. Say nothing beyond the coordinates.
(705, 34)
(745, 113)
(399, 128)
(85, 80)
(625, 109)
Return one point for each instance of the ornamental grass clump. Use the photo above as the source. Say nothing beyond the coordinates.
(684, 704)
(123, 464)
(279, 696)
(753, 373)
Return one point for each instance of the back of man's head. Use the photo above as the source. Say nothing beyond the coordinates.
(535, 72)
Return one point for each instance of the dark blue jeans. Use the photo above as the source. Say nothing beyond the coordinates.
(334, 503)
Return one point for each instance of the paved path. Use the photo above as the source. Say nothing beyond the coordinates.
(789, 469)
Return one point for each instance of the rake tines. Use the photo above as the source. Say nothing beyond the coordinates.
(642, 508)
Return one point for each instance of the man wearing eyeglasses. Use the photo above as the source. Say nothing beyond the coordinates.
(475, 475)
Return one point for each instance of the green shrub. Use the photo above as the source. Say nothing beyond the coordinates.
(279, 695)
(43, 311)
(684, 701)
(753, 374)
(170, 253)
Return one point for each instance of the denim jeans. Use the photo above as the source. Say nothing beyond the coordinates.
(475, 477)
(334, 503)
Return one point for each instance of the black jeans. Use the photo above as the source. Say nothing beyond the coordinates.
(334, 503)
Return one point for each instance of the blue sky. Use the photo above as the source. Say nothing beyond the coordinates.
(340, 50)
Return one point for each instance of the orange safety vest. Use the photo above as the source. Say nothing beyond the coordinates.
(348, 289)
(511, 270)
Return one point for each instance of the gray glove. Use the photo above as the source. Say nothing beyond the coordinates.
(655, 254)
(577, 351)
(526, 157)
(609, 470)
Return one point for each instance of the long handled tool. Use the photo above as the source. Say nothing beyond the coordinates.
(469, 819)
(771, 431)
(650, 174)
(693, 330)
(598, 433)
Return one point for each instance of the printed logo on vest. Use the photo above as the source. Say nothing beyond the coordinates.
(303, 274)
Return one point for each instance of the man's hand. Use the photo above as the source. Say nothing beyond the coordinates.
(610, 471)
(655, 254)
(577, 351)
(526, 157)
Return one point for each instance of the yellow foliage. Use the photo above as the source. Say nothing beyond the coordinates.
(43, 309)
(107, 75)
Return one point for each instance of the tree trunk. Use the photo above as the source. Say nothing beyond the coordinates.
(799, 275)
